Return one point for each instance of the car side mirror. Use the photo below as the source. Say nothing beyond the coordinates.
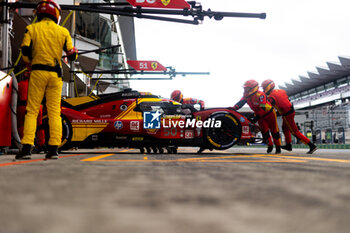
(137, 108)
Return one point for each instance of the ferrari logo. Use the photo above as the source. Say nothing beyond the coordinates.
(155, 64)
(166, 2)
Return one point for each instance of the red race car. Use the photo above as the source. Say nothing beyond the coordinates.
(148, 122)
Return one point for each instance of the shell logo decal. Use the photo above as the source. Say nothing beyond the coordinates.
(165, 3)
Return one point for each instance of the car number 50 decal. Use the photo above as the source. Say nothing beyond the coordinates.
(170, 131)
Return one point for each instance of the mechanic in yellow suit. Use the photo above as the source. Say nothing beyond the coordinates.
(42, 46)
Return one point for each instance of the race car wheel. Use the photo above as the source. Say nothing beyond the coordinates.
(66, 132)
(225, 136)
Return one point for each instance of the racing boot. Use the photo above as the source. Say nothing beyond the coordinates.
(25, 153)
(313, 148)
(287, 147)
(52, 152)
(269, 149)
(278, 149)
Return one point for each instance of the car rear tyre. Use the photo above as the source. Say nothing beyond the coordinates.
(66, 132)
(225, 136)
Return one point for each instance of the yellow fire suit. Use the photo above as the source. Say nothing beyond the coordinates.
(42, 45)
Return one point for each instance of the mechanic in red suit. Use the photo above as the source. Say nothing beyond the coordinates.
(279, 99)
(264, 113)
(178, 97)
(21, 111)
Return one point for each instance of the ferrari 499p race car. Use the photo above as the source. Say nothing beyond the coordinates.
(141, 120)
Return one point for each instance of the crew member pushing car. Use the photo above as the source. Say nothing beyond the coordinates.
(264, 113)
(42, 46)
(279, 99)
(178, 97)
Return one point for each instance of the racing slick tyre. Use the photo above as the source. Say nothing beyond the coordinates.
(66, 132)
(227, 135)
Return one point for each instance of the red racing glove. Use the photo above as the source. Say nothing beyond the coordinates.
(72, 54)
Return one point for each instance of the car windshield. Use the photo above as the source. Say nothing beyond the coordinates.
(165, 108)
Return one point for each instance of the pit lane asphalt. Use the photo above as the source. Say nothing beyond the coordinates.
(119, 190)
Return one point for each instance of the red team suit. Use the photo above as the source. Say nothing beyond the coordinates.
(266, 115)
(279, 99)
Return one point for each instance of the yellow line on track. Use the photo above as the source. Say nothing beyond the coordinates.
(258, 158)
(96, 158)
(101, 156)
(206, 161)
(311, 158)
(221, 159)
(252, 161)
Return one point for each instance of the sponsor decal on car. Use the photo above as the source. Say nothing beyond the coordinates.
(89, 121)
(105, 116)
(135, 125)
(198, 130)
(152, 131)
(137, 139)
(130, 94)
(189, 134)
(118, 125)
(245, 129)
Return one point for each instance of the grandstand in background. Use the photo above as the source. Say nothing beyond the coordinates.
(322, 102)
